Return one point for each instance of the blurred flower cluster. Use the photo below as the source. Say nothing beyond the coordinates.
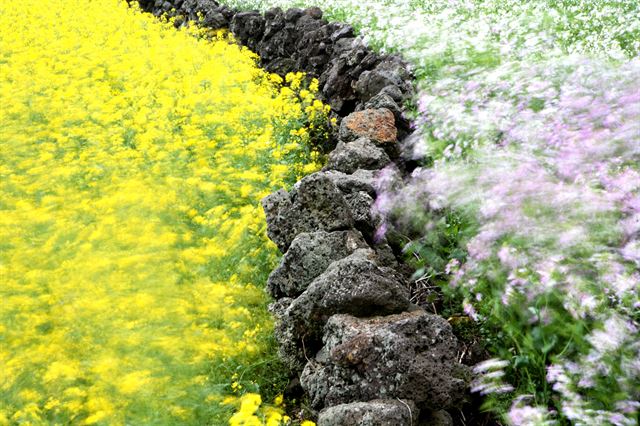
(133, 251)
(544, 157)
(528, 127)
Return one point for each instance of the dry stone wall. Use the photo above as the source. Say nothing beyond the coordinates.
(352, 77)
(364, 354)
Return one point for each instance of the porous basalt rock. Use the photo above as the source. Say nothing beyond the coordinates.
(319, 205)
(279, 39)
(314, 204)
(379, 412)
(355, 285)
(249, 28)
(391, 98)
(294, 349)
(389, 72)
(360, 204)
(359, 181)
(211, 14)
(378, 125)
(309, 256)
(359, 154)
(384, 100)
(351, 59)
(276, 207)
(410, 355)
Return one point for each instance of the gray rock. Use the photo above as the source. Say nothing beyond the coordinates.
(306, 24)
(167, 6)
(315, 44)
(281, 66)
(342, 31)
(343, 45)
(394, 93)
(390, 72)
(295, 346)
(315, 63)
(360, 180)
(383, 100)
(291, 340)
(315, 204)
(309, 256)
(275, 21)
(280, 306)
(213, 16)
(359, 154)
(215, 20)
(320, 205)
(360, 204)
(355, 285)
(336, 86)
(369, 60)
(248, 27)
(409, 355)
(350, 59)
(279, 45)
(293, 14)
(380, 412)
(277, 208)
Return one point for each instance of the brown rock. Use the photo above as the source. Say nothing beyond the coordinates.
(378, 125)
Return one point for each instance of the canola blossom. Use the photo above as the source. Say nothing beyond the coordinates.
(133, 250)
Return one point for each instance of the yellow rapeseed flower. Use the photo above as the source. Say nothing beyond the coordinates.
(133, 242)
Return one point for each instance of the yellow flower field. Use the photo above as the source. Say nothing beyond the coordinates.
(133, 250)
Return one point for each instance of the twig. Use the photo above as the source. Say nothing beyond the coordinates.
(408, 408)
(464, 419)
(304, 351)
(464, 352)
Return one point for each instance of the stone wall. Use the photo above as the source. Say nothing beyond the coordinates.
(352, 76)
(363, 353)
